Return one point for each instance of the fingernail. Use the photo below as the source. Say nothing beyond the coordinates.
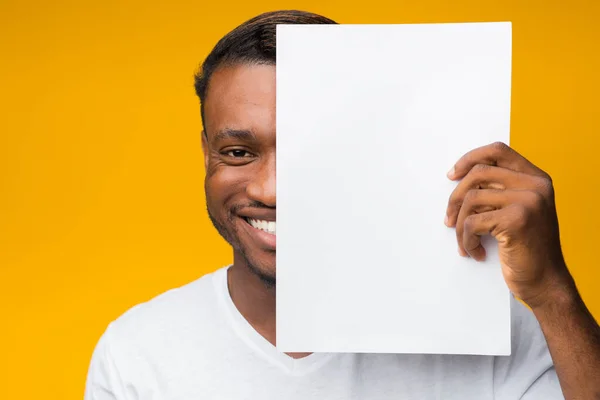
(450, 173)
(461, 252)
(446, 220)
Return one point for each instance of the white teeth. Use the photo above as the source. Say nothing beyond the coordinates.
(267, 226)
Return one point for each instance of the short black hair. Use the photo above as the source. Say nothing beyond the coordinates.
(252, 42)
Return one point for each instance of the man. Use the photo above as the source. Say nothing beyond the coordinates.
(214, 338)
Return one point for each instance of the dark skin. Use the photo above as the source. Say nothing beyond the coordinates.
(239, 156)
(499, 192)
(503, 194)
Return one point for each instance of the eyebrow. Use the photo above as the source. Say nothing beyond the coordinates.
(240, 134)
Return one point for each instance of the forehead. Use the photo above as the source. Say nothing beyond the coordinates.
(241, 97)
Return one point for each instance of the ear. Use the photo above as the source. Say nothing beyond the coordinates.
(205, 149)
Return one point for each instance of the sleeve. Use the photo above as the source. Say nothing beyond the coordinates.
(103, 379)
(528, 373)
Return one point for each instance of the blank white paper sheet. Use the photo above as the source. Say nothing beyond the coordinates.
(369, 120)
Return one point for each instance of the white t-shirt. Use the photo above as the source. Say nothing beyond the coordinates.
(192, 343)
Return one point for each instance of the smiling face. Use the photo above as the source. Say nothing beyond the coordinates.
(239, 155)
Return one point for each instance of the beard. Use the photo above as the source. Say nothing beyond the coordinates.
(228, 231)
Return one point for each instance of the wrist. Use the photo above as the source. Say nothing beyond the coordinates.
(559, 293)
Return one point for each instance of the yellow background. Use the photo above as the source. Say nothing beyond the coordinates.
(101, 176)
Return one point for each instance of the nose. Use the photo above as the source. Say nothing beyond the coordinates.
(261, 187)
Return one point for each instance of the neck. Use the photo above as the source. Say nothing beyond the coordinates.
(254, 299)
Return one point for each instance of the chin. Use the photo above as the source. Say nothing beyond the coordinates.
(263, 265)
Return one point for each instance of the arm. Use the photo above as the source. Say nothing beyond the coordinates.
(573, 338)
(502, 194)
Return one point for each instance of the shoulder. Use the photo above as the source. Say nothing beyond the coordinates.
(170, 316)
(158, 332)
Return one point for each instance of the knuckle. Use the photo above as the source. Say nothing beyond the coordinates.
(520, 215)
(454, 201)
(544, 175)
(499, 147)
(538, 200)
(469, 223)
(471, 196)
(481, 169)
(545, 185)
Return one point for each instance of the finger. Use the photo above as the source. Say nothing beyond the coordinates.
(497, 154)
(502, 224)
(483, 176)
(480, 202)
(475, 226)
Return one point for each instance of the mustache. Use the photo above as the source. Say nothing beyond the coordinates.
(253, 204)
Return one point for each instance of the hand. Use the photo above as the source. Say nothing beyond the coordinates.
(502, 194)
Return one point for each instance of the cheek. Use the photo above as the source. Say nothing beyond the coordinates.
(224, 186)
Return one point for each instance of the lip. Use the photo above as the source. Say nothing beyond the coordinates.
(266, 215)
(263, 239)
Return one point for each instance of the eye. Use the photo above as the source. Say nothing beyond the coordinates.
(238, 153)
(237, 156)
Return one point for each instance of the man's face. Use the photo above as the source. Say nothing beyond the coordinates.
(239, 155)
